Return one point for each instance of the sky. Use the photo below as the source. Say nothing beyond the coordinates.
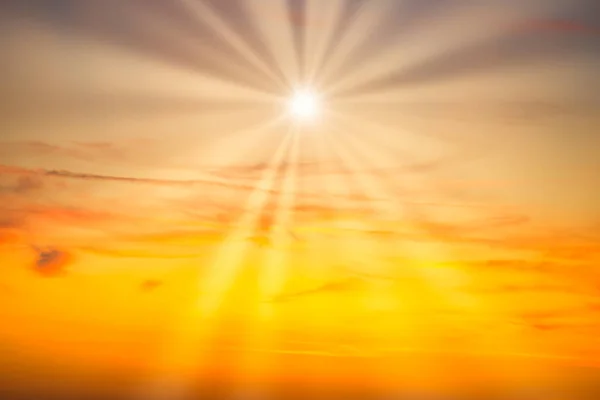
(167, 229)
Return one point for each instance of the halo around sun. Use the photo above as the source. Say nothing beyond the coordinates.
(305, 105)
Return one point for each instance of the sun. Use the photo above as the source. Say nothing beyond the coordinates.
(305, 105)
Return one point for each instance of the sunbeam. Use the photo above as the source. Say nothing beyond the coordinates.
(363, 21)
(439, 282)
(299, 199)
(451, 34)
(272, 19)
(198, 327)
(272, 274)
(204, 13)
(322, 17)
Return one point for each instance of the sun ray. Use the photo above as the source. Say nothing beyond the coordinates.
(235, 143)
(318, 266)
(272, 273)
(322, 18)
(385, 125)
(412, 264)
(361, 253)
(444, 285)
(204, 13)
(378, 202)
(437, 37)
(272, 20)
(364, 20)
(334, 252)
(178, 366)
(116, 72)
(409, 225)
(360, 250)
(186, 48)
(426, 153)
(233, 249)
(170, 43)
(380, 186)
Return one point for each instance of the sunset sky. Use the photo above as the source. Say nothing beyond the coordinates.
(169, 230)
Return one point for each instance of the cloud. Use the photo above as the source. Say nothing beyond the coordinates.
(256, 170)
(512, 265)
(342, 285)
(595, 306)
(168, 182)
(27, 173)
(97, 152)
(557, 288)
(136, 252)
(7, 238)
(33, 178)
(12, 170)
(51, 262)
(39, 149)
(67, 214)
(547, 327)
(550, 314)
(500, 221)
(150, 285)
(569, 319)
(29, 183)
(10, 221)
(371, 276)
(23, 183)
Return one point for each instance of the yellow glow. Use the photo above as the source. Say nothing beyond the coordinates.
(170, 225)
(305, 105)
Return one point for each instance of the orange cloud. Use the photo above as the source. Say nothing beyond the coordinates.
(150, 285)
(343, 285)
(51, 262)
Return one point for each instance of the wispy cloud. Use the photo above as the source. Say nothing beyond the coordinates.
(338, 286)
(151, 285)
(40, 149)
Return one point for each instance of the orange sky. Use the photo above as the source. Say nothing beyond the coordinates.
(166, 228)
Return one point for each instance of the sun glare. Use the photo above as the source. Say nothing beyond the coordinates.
(305, 105)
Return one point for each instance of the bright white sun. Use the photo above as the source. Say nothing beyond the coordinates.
(305, 105)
